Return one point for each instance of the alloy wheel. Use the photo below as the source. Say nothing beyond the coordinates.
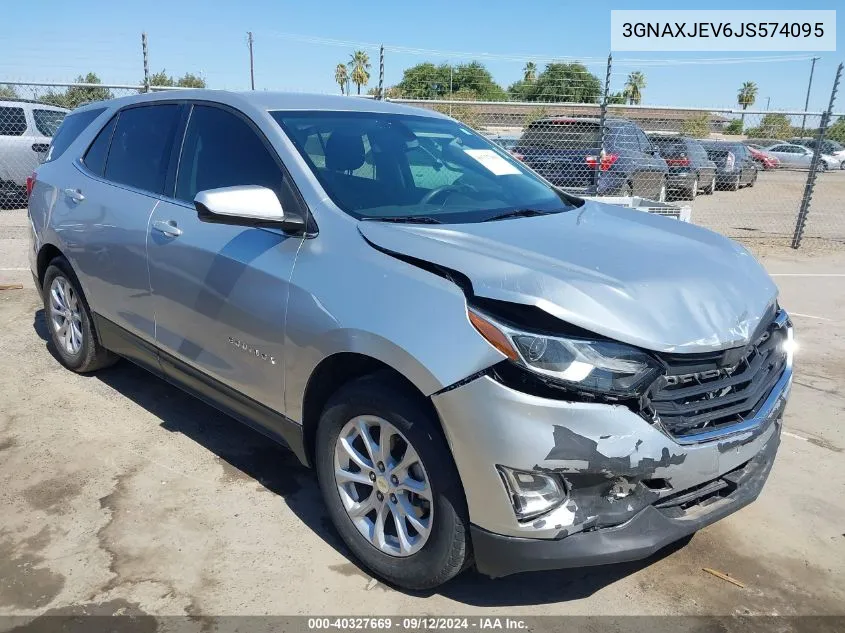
(383, 486)
(65, 315)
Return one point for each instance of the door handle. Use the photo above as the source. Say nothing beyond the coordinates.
(168, 227)
(75, 195)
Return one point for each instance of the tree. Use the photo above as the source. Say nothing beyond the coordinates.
(616, 98)
(427, 81)
(529, 73)
(836, 132)
(696, 126)
(734, 127)
(571, 83)
(8, 92)
(772, 125)
(188, 80)
(746, 96)
(341, 77)
(634, 87)
(535, 114)
(359, 63)
(77, 95)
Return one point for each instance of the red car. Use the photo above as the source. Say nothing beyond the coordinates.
(764, 158)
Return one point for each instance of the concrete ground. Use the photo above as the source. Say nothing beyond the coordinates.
(118, 493)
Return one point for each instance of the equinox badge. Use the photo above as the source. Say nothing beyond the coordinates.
(254, 351)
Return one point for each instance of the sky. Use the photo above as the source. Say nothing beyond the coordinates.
(298, 44)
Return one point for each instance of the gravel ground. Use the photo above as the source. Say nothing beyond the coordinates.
(118, 493)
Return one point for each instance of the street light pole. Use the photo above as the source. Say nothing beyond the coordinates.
(807, 100)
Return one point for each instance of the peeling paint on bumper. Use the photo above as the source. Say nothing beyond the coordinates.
(593, 447)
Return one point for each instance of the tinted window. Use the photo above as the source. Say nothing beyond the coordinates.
(71, 127)
(571, 135)
(140, 147)
(95, 157)
(222, 150)
(48, 121)
(696, 151)
(669, 146)
(12, 122)
(642, 139)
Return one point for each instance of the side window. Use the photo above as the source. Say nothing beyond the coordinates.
(222, 150)
(141, 145)
(72, 126)
(95, 157)
(48, 121)
(12, 121)
(645, 144)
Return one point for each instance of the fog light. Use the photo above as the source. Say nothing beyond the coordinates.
(532, 493)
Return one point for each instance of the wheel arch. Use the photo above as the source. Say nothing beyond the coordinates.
(339, 369)
(46, 254)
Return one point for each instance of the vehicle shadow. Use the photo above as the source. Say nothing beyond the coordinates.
(248, 454)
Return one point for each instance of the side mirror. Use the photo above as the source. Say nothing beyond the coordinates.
(245, 205)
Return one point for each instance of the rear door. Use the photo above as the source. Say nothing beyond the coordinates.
(220, 290)
(105, 210)
(649, 167)
(558, 150)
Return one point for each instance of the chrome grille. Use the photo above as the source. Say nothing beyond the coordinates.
(707, 392)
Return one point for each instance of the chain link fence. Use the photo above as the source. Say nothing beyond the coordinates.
(757, 175)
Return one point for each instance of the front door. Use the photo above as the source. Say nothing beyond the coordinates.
(219, 290)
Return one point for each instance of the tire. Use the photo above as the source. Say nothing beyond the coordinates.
(734, 186)
(446, 550)
(692, 192)
(661, 197)
(753, 179)
(822, 167)
(628, 191)
(79, 350)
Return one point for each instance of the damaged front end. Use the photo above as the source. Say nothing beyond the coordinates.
(622, 472)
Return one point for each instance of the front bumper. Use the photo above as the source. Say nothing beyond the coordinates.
(647, 532)
(617, 467)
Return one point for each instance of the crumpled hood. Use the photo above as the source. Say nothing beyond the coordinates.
(649, 281)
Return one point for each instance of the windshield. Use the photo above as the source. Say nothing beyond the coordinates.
(48, 121)
(395, 166)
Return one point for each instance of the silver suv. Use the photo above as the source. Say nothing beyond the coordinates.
(26, 129)
(480, 367)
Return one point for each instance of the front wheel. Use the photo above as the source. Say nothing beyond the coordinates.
(390, 485)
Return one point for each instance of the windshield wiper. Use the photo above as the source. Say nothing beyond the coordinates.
(519, 213)
(407, 219)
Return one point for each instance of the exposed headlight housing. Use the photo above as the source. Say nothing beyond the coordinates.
(590, 365)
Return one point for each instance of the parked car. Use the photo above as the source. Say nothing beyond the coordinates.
(26, 128)
(763, 158)
(568, 153)
(506, 141)
(799, 156)
(690, 170)
(829, 147)
(735, 166)
(761, 143)
(485, 370)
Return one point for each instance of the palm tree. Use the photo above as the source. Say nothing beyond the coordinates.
(340, 76)
(633, 91)
(746, 96)
(359, 63)
(529, 72)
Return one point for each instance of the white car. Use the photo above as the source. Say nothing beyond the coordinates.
(26, 129)
(799, 156)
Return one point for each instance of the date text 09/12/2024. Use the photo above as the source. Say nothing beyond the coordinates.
(415, 623)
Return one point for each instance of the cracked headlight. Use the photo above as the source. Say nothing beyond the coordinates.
(584, 364)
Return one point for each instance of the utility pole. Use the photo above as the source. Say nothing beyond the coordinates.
(381, 72)
(145, 53)
(807, 101)
(768, 101)
(251, 64)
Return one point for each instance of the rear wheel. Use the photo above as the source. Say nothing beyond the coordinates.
(390, 485)
(69, 321)
(692, 192)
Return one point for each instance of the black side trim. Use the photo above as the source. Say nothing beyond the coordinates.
(200, 385)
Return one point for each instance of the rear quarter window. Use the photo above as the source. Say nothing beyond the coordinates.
(71, 127)
(12, 121)
(48, 121)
